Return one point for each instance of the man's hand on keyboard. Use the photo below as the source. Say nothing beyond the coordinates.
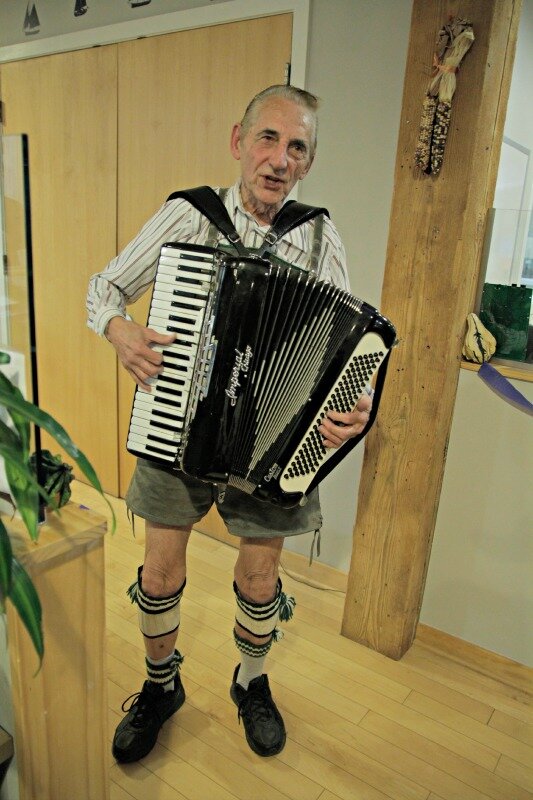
(133, 343)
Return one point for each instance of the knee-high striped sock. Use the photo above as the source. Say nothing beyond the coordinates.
(258, 619)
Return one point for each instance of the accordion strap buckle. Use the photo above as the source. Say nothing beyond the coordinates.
(270, 238)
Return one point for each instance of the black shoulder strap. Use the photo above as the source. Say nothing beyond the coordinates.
(288, 217)
(208, 203)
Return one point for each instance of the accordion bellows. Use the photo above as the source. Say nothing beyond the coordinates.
(263, 350)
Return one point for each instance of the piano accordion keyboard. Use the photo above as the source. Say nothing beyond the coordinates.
(179, 300)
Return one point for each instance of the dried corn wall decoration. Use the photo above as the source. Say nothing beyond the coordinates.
(454, 41)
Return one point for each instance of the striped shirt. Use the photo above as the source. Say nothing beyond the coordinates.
(128, 276)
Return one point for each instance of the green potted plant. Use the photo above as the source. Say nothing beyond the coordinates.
(25, 488)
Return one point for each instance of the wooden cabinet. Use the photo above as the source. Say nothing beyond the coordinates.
(60, 710)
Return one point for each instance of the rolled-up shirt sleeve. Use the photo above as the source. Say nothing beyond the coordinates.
(130, 274)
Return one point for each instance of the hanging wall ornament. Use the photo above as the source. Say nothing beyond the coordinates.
(31, 19)
(455, 39)
(80, 7)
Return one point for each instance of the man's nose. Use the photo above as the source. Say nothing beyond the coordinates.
(278, 157)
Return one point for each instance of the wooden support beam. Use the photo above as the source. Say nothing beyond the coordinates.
(433, 259)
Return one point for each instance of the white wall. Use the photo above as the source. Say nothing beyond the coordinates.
(479, 585)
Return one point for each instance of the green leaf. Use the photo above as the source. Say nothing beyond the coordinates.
(25, 600)
(26, 496)
(9, 438)
(5, 358)
(19, 466)
(15, 401)
(24, 488)
(19, 420)
(6, 554)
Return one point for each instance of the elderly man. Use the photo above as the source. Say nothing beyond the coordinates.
(275, 145)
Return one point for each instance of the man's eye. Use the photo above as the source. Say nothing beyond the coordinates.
(299, 149)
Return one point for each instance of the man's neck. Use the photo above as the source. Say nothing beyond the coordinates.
(263, 213)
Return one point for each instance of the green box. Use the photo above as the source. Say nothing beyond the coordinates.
(505, 311)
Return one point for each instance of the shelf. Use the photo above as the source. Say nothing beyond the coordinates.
(522, 372)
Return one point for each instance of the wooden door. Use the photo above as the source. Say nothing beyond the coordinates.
(179, 95)
(66, 104)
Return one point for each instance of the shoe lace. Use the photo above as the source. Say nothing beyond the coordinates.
(257, 704)
(140, 703)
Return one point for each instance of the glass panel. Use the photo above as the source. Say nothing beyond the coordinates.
(16, 301)
(507, 268)
(17, 329)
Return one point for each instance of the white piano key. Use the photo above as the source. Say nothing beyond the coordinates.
(185, 272)
(162, 324)
(169, 282)
(140, 433)
(176, 372)
(187, 317)
(175, 405)
(143, 443)
(201, 260)
(176, 351)
(193, 304)
(144, 430)
(145, 416)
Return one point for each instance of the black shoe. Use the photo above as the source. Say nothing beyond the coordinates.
(137, 733)
(263, 724)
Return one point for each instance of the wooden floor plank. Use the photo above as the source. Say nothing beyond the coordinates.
(467, 779)
(517, 773)
(523, 731)
(490, 737)
(116, 792)
(141, 783)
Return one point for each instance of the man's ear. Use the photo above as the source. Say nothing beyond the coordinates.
(235, 141)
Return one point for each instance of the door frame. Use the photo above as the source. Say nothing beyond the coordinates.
(205, 16)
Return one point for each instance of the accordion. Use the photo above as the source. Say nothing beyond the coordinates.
(263, 350)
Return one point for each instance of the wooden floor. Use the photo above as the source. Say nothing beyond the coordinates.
(448, 722)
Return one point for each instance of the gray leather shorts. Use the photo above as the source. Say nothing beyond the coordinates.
(160, 494)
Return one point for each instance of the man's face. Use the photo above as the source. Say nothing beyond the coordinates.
(275, 153)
